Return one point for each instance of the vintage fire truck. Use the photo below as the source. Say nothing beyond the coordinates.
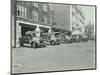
(32, 39)
(52, 38)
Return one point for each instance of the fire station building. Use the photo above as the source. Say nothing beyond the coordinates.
(29, 16)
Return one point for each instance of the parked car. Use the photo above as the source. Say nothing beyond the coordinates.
(32, 39)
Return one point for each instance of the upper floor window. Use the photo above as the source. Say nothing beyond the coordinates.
(35, 15)
(45, 19)
(25, 14)
(44, 7)
(21, 11)
(35, 4)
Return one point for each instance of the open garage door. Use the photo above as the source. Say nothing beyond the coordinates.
(25, 28)
(44, 30)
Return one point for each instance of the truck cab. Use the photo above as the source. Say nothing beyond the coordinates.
(31, 38)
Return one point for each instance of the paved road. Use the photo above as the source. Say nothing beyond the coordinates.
(54, 58)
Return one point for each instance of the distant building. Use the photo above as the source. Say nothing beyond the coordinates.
(29, 16)
(77, 19)
(68, 17)
(61, 17)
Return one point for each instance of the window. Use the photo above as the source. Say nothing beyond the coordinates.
(21, 11)
(45, 19)
(18, 10)
(25, 14)
(35, 4)
(35, 15)
(32, 14)
(32, 4)
(44, 7)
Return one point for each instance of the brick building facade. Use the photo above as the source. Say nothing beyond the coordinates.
(29, 16)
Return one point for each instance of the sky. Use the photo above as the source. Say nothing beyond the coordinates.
(89, 12)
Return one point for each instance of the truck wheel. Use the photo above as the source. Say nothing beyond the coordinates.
(33, 45)
(44, 45)
(58, 42)
(52, 42)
